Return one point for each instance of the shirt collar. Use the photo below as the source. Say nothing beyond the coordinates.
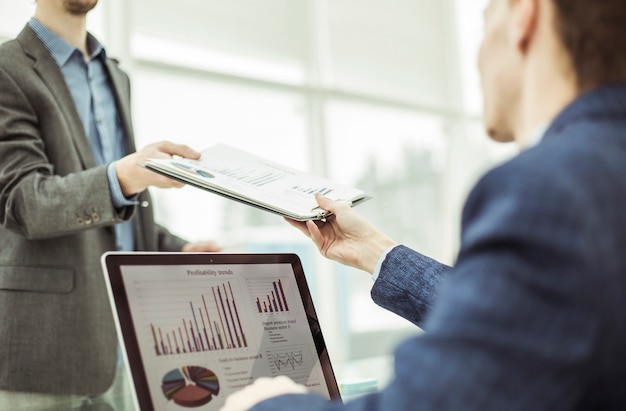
(536, 137)
(60, 49)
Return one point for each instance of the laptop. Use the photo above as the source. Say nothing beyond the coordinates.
(196, 327)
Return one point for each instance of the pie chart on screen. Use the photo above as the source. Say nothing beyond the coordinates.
(190, 386)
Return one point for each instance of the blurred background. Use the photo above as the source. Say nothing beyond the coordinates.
(381, 95)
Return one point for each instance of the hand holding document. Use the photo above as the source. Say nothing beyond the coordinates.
(255, 181)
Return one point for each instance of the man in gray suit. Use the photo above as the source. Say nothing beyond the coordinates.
(70, 189)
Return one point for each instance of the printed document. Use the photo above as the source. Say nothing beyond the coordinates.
(261, 183)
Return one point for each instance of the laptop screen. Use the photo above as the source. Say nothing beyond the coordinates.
(197, 327)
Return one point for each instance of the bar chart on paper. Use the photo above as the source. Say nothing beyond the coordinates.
(200, 319)
(250, 176)
(271, 295)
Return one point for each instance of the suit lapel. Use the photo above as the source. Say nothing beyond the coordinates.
(49, 72)
(121, 89)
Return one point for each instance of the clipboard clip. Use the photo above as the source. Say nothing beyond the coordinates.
(322, 214)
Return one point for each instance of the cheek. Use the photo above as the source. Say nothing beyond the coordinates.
(492, 79)
(494, 67)
(484, 63)
(480, 57)
(485, 69)
(500, 103)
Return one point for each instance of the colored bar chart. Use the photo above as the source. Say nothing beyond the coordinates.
(212, 324)
(312, 190)
(269, 296)
(250, 176)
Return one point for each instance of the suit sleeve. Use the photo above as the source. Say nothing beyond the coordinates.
(517, 321)
(408, 284)
(35, 199)
(168, 241)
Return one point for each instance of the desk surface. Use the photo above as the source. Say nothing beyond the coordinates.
(119, 397)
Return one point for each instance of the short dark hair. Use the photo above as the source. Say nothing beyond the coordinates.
(594, 34)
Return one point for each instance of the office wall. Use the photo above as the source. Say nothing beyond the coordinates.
(383, 95)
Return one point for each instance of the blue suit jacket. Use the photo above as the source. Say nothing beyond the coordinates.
(533, 315)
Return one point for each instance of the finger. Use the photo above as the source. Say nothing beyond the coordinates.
(329, 205)
(315, 234)
(167, 182)
(234, 402)
(299, 225)
(207, 246)
(179, 150)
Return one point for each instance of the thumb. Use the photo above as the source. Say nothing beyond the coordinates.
(329, 205)
(180, 150)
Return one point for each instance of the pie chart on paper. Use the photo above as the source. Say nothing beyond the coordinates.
(190, 386)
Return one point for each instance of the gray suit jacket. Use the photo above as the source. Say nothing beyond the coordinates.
(56, 219)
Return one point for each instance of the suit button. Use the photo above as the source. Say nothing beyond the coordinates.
(88, 220)
(80, 221)
(95, 217)
(145, 204)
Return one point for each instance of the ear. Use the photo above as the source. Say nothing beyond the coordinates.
(525, 18)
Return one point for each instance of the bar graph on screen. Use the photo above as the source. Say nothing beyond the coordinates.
(211, 322)
(270, 295)
(295, 361)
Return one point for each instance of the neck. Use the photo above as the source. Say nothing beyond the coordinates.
(541, 103)
(70, 27)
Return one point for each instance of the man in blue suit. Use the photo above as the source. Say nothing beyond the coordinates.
(533, 314)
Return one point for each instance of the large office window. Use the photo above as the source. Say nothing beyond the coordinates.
(199, 111)
(383, 95)
(13, 17)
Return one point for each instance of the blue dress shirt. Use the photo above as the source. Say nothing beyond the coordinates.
(90, 87)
